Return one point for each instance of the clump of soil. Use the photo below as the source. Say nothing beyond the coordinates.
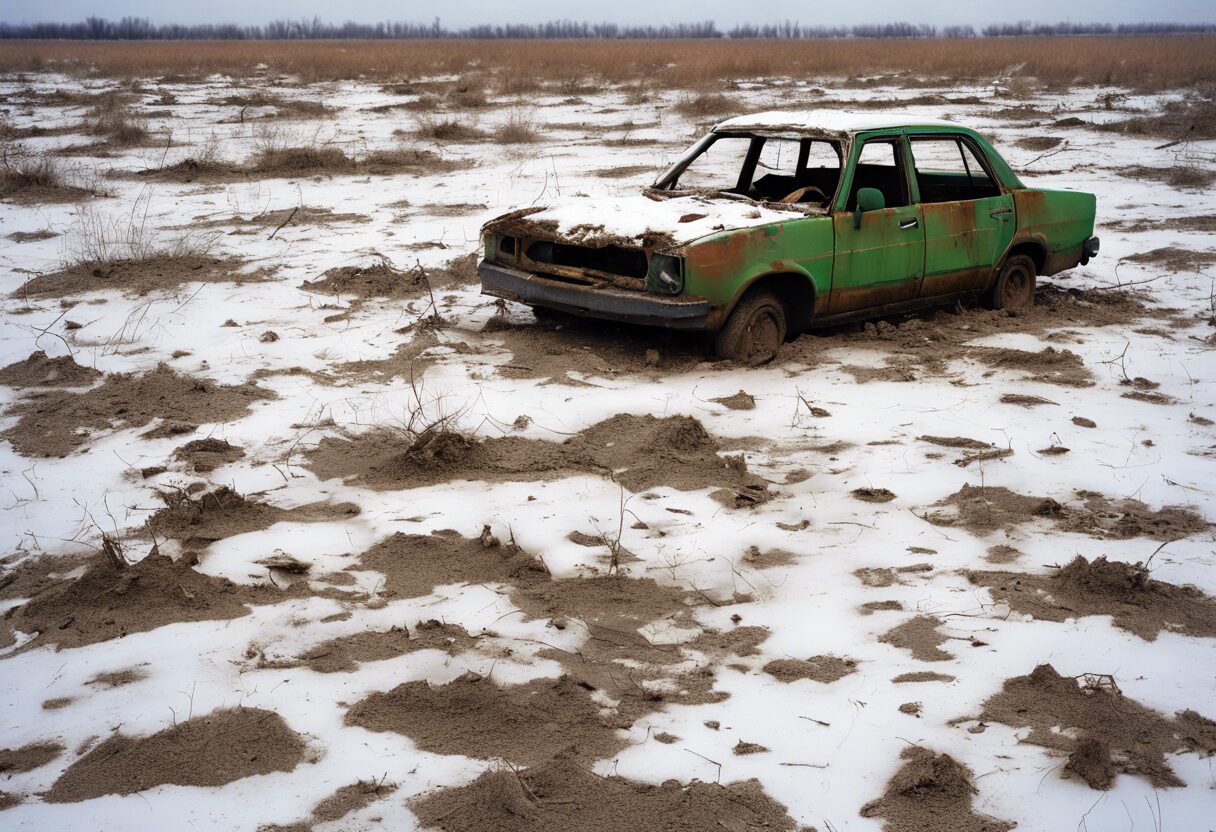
(920, 637)
(108, 602)
(922, 676)
(956, 442)
(54, 423)
(28, 757)
(743, 748)
(151, 274)
(640, 452)
(203, 455)
(826, 669)
(118, 678)
(344, 801)
(881, 577)
(984, 509)
(561, 795)
(873, 495)
(1099, 727)
(738, 401)
(379, 280)
(1050, 366)
(215, 515)
(1124, 591)
(345, 654)
(40, 371)
(930, 792)
(474, 717)
(205, 751)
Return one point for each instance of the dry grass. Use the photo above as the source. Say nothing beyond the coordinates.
(111, 118)
(1138, 62)
(100, 241)
(707, 104)
(29, 178)
(446, 128)
(1192, 118)
(519, 128)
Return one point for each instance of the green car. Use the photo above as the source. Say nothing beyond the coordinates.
(778, 222)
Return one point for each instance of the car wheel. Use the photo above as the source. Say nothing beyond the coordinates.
(1014, 286)
(755, 330)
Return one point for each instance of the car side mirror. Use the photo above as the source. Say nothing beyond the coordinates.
(868, 199)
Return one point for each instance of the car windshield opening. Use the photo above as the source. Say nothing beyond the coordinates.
(794, 171)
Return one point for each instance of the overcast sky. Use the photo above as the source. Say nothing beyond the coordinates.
(458, 13)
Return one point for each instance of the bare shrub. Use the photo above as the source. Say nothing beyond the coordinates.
(469, 95)
(519, 128)
(706, 104)
(100, 241)
(112, 118)
(27, 177)
(447, 128)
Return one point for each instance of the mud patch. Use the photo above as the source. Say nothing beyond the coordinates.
(1091, 719)
(474, 717)
(1124, 591)
(1049, 366)
(920, 637)
(639, 452)
(54, 423)
(205, 751)
(203, 455)
(825, 669)
(930, 792)
(40, 371)
(982, 510)
(28, 757)
(215, 515)
(561, 795)
(138, 276)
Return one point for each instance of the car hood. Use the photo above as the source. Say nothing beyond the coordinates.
(638, 220)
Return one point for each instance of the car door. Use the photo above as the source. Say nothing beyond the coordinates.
(881, 261)
(969, 219)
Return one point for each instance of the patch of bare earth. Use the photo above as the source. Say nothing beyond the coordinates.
(1174, 258)
(55, 423)
(984, 509)
(344, 801)
(40, 371)
(1124, 591)
(929, 793)
(198, 519)
(28, 757)
(562, 795)
(151, 274)
(919, 636)
(826, 669)
(639, 452)
(1102, 731)
(203, 455)
(346, 653)
(206, 751)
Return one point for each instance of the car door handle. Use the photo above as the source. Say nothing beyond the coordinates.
(1000, 212)
(909, 223)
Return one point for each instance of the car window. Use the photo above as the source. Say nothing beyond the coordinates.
(719, 165)
(880, 165)
(948, 170)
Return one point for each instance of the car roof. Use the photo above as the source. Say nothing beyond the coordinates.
(827, 122)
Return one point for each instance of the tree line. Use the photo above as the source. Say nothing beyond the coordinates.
(138, 28)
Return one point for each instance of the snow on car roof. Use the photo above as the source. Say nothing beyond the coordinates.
(832, 122)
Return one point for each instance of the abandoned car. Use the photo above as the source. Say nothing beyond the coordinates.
(777, 222)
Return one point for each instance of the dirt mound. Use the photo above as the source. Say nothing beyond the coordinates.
(956, 442)
(1050, 366)
(984, 509)
(826, 669)
(28, 757)
(1123, 591)
(338, 805)
(108, 602)
(1095, 723)
(739, 401)
(930, 792)
(1174, 258)
(203, 455)
(873, 495)
(345, 654)
(138, 276)
(56, 422)
(920, 637)
(474, 717)
(205, 751)
(413, 565)
(640, 452)
(560, 795)
(922, 676)
(40, 371)
(379, 280)
(214, 515)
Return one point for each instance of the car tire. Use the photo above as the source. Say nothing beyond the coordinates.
(1014, 286)
(755, 330)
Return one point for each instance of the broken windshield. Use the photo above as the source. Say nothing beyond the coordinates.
(795, 171)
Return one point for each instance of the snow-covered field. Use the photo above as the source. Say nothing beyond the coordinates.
(801, 564)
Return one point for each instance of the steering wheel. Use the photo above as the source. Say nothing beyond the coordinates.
(800, 194)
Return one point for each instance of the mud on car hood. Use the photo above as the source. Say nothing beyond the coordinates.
(637, 220)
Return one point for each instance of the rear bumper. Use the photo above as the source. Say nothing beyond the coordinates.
(679, 312)
(1089, 249)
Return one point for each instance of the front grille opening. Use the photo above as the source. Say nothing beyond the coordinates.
(627, 262)
(506, 245)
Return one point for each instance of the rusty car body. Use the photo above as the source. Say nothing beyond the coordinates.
(777, 222)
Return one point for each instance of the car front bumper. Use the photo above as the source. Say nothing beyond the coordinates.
(678, 312)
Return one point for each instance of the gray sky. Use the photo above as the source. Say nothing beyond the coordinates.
(458, 13)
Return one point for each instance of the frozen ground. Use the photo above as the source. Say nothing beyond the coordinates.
(831, 746)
